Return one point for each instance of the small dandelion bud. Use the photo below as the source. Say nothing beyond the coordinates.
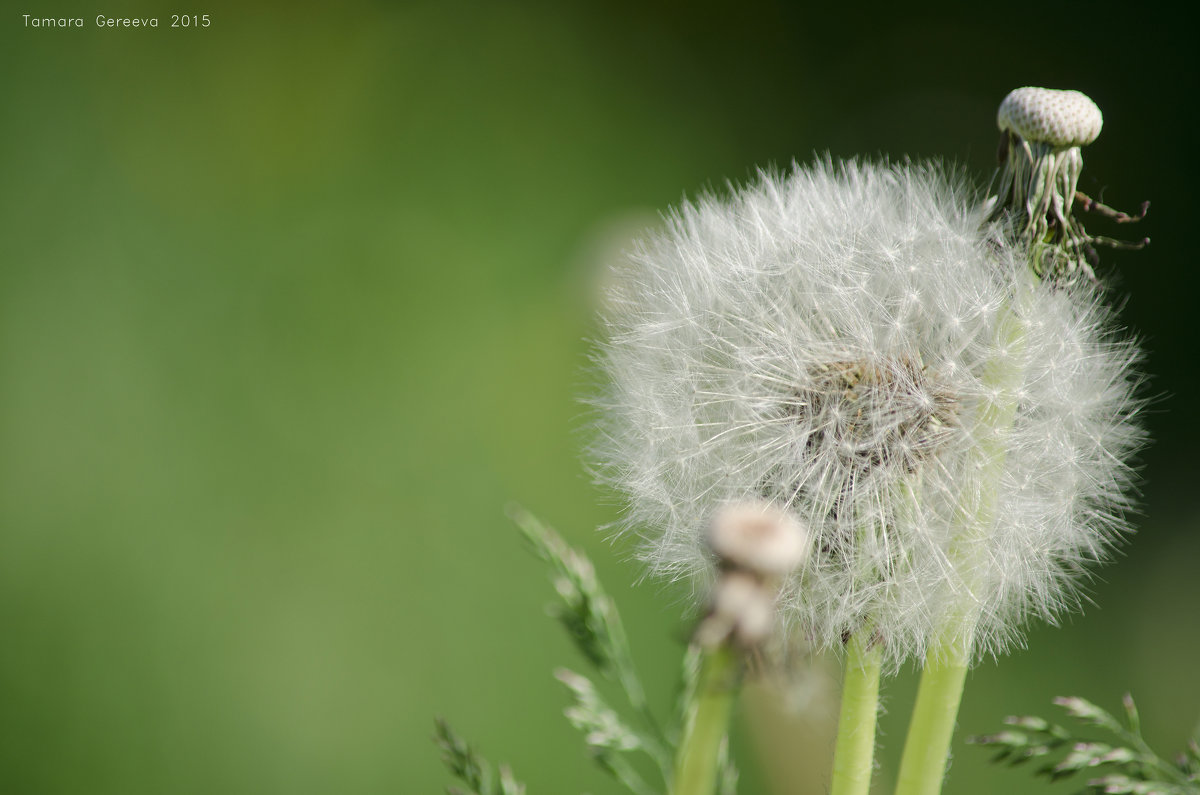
(759, 538)
(756, 544)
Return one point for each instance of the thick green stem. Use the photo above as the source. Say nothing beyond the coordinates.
(927, 747)
(853, 758)
(706, 723)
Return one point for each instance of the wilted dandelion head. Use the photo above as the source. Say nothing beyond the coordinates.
(837, 342)
(1042, 132)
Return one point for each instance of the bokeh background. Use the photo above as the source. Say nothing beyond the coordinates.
(292, 306)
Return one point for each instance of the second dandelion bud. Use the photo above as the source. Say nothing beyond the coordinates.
(757, 545)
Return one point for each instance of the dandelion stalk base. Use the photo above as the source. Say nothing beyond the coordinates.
(706, 723)
(923, 765)
(853, 758)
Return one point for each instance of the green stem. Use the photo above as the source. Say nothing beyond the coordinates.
(706, 723)
(923, 765)
(853, 757)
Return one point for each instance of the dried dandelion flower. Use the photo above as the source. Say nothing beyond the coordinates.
(828, 341)
(1042, 132)
(756, 545)
(757, 537)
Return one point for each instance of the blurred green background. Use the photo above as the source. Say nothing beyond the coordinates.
(292, 306)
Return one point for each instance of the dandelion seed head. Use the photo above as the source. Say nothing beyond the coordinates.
(825, 342)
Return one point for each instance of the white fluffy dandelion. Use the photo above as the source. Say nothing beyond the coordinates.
(848, 345)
